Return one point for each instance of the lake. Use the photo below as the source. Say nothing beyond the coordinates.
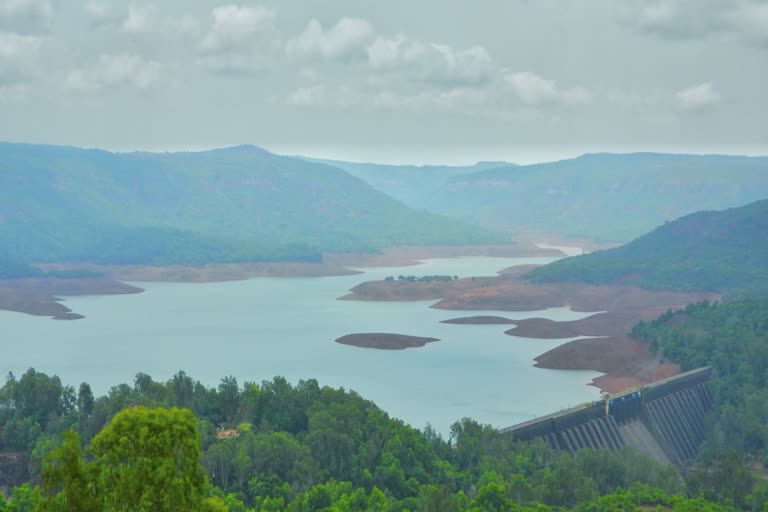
(263, 327)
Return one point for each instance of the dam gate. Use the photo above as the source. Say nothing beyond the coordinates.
(664, 420)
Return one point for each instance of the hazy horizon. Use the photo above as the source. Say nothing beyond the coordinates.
(432, 156)
(433, 83)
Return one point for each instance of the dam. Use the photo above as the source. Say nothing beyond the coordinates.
(664, 420)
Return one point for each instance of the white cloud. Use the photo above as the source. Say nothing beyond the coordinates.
(534, 90)
(186, 24)
(139, 19)
(25, 16)
(114, 72)
(235, 27)
(696, 98)
(322, 96)
(431, 62)
(349, 36)
(18, 58)
(97, 10)
(751, 20)
(679, 19)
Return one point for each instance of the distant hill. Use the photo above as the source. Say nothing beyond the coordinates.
(64, 204)
(414, 185)
(614, 197)
(713, 250)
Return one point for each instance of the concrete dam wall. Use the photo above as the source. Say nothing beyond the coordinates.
(664, 420)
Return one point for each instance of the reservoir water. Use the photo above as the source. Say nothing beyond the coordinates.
(263, 327)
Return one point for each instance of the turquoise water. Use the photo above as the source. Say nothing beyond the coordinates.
(263, 327)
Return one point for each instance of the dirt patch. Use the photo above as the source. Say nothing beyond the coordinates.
(480, 320)
(384, 341)
(413, 290)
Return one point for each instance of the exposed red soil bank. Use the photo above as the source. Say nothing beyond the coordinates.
(384, 341)
(625, 361)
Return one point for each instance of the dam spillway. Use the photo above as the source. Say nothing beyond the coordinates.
(664, 420)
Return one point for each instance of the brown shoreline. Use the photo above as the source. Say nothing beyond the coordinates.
(40, 297)
(607, 347)
(624, 361)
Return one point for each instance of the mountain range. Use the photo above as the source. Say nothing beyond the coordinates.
(65, 204)
(604, 196)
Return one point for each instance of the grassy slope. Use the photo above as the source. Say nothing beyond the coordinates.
(236, 204)
(720, 251)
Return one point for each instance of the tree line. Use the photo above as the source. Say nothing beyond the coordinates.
(295, 448)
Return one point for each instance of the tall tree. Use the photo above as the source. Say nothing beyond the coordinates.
(149, 461)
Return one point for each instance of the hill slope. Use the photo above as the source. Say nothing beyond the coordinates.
(613, 197)
(414, 185)
(235, 204)
(715, 251)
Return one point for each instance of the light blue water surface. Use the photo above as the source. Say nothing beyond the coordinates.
(263, 327)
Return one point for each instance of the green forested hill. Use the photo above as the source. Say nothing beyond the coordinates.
(732, 337)
(235, 204)
(604, 196)
(717, 251)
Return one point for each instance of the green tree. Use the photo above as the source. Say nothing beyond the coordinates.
(149, 461)
(85, 399)
(69, 482)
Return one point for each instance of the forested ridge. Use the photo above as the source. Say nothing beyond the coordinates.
(303, 447)
(732, 337)
(65, 204)
(604, 196)
(711, 251)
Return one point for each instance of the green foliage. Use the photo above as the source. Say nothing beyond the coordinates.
(24, 498)
(69, 482)
(302, 448)
(732, 337)
(149, 461)
(716, 251)
(61, 204)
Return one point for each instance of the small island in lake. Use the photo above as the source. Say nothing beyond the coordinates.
(384, 341)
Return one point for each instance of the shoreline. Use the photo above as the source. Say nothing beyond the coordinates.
(603, 344)
(42, 296)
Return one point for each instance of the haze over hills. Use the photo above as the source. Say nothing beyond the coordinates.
(415, 185)
(605, 196)
(64, 204)
(711, 250)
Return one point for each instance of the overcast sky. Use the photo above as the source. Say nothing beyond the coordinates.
(438, 81)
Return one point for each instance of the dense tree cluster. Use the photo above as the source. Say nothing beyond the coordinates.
(275, 446)
(732, 337)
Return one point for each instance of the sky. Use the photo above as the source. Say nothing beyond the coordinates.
(401, 81)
